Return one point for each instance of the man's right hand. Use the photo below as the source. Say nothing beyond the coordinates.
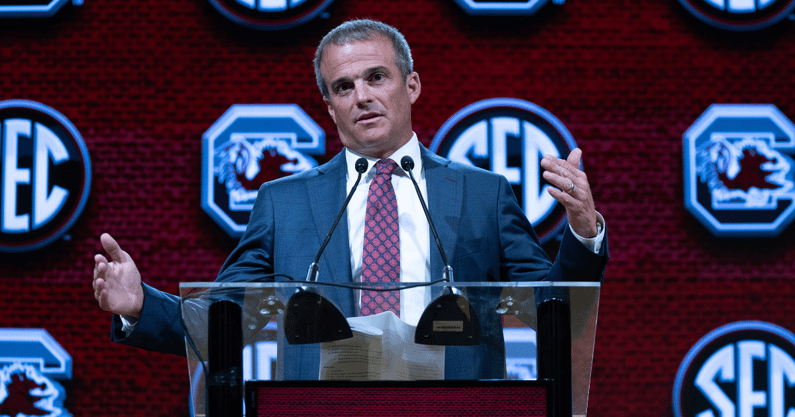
(117, 284)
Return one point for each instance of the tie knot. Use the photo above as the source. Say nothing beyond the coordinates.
(385, 166)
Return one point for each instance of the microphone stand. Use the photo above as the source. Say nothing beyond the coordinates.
(449, 320)
(310, 317)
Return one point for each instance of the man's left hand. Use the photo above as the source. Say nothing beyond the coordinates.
(573, 191)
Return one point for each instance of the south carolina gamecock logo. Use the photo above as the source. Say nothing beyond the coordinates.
(247, 163)
(249, 145)
(25, 392)
(739, 170)
(746, 173)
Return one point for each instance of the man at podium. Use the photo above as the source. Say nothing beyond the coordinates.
(365, 73)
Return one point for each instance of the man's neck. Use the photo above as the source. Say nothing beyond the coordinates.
(411, 148)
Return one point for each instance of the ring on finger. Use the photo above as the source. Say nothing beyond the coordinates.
(571, 189)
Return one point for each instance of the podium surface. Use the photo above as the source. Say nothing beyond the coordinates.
(528, 331)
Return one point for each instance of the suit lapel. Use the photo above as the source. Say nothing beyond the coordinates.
(326, 193)
(445, 192)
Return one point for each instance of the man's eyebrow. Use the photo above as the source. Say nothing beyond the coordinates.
(379, 68)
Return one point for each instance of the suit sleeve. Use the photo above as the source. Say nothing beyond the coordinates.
(523, 258)
(160, 329)
(252, 259)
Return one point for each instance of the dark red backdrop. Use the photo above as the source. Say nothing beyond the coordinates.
(142, 80)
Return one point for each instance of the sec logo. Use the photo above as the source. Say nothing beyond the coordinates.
(46, 175)
(503, 8)
(742, 369)
(248, 146)
(739, 170)
(510, 137)
(270, 14)
(740, 15)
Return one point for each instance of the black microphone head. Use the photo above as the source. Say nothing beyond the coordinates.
(361, 165)
(407, 163)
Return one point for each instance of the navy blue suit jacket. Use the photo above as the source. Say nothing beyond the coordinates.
(484, 232)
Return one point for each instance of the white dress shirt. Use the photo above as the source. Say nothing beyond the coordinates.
(415, 242)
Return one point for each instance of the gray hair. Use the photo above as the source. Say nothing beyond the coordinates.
(364, 30)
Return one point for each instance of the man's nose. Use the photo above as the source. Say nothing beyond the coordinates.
(363, 94)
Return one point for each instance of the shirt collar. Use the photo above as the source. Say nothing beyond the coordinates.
(411, 148)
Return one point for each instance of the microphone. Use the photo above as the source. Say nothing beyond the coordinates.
(361, 168)
(309, 317)
(448, 320)
(408, 164)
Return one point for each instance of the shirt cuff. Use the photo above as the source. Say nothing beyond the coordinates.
(128, 324)
(594, 244)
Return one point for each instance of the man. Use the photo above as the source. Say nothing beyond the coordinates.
(365, 73)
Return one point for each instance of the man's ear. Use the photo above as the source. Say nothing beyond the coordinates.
(330, 109)
(413, 86)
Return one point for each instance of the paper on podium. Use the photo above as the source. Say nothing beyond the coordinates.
(382, 348)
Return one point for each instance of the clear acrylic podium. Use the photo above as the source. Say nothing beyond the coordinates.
(529, 331)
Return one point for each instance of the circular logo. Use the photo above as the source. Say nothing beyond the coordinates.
(501, 8)
(46, 175)
(510, 137)
(740, 369)
(740, 15)
(270, 14)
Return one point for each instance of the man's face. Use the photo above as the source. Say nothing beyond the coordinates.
(368, 99)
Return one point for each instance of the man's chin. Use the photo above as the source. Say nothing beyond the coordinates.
(372, 147)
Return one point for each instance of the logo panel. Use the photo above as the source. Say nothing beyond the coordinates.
(30, 363)
(46, 175)
(740, 15)
(741, 369)
(270, 14)
(248, 146)
(33, 8)
(510, 137)
(739, 170)
(503, 8)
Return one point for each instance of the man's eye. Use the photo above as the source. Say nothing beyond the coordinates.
(378, 77)
(342, 88)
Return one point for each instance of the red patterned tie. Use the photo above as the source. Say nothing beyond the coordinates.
(381, 259)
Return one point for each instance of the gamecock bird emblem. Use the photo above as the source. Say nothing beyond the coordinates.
(245, 164)
(25, 392)
(746, 172)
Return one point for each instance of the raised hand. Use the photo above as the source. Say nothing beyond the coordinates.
(117, 284)
(573, 191)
